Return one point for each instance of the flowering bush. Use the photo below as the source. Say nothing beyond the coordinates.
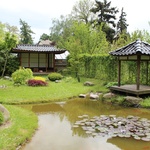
(33, 82)
(39, 78)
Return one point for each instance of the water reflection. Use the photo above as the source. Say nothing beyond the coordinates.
(56, 132)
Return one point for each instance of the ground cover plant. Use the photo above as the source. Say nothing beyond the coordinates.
(20, 128)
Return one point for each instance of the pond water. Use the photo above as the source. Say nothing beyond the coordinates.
(57, 132)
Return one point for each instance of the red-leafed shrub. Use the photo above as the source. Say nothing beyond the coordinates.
(33, 82)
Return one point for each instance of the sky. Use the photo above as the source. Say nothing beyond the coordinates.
(39, 13)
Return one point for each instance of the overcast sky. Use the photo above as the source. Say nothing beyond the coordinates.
(39, 13)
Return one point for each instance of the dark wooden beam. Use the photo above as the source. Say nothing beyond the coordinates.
(119, 73)
(138, 72)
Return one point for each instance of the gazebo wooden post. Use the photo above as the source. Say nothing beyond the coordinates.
(119, 73)
(147, 72)
(138, 72)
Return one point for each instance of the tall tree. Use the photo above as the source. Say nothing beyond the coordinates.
(106, 16)
(61, 28)
(122, 25)
(81, 11)
(25, 33)
(84, 40)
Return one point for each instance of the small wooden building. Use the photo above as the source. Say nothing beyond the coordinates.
(136, 51)
(39, 58)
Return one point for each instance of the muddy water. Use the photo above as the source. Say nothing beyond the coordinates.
(56, 132)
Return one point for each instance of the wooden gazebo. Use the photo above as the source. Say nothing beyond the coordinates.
(136, 51)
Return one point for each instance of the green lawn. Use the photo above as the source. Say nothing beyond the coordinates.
(53, 92)
(20, 128)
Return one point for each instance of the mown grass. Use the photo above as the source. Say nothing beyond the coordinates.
(53, 92)
(21, 127)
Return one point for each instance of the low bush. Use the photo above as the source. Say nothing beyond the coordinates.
(54, 76)
(1, 118)
(21, 76)
(39, 78)
(33, 82)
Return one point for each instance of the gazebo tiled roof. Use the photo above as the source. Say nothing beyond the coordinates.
(37, 48)
(132, 49)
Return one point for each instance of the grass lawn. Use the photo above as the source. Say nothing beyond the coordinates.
(53, 92)
(20, 128)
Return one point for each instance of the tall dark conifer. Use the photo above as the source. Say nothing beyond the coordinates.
(106, 17)
(122, 25)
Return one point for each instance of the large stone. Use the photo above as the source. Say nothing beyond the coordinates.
(94, 96)
(82, 95)
(5, 112)
(88, 83)
(132, 101)
(109, 95)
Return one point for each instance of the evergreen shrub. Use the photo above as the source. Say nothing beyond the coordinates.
(54, 76)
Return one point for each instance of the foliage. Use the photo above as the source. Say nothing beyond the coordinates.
(10, 41)
(1, 118)
(36, 82)
(84, 39)
(99, 66)
(145, 103)
(111, 84)
(54, 76)
(21, 76)
(25, 33)
(12, 65)
(81, 11)
(22, 127)
(60, 29)
(44, 37)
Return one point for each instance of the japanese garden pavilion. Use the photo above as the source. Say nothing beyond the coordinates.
(136, 51)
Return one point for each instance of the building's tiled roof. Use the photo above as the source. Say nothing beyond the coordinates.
(37, 48)
(132, 49)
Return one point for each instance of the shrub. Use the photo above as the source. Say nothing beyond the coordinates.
(21, 75)
(39, 78)
(55, 76)
(111, 84)
(33, 82)
(1, 118)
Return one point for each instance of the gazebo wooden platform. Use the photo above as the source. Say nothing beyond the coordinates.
(131, 89)
(137, 51)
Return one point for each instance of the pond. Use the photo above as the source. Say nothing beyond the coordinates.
(60, 126)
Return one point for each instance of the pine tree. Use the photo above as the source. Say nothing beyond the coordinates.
(122, 25)
(25, 33)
